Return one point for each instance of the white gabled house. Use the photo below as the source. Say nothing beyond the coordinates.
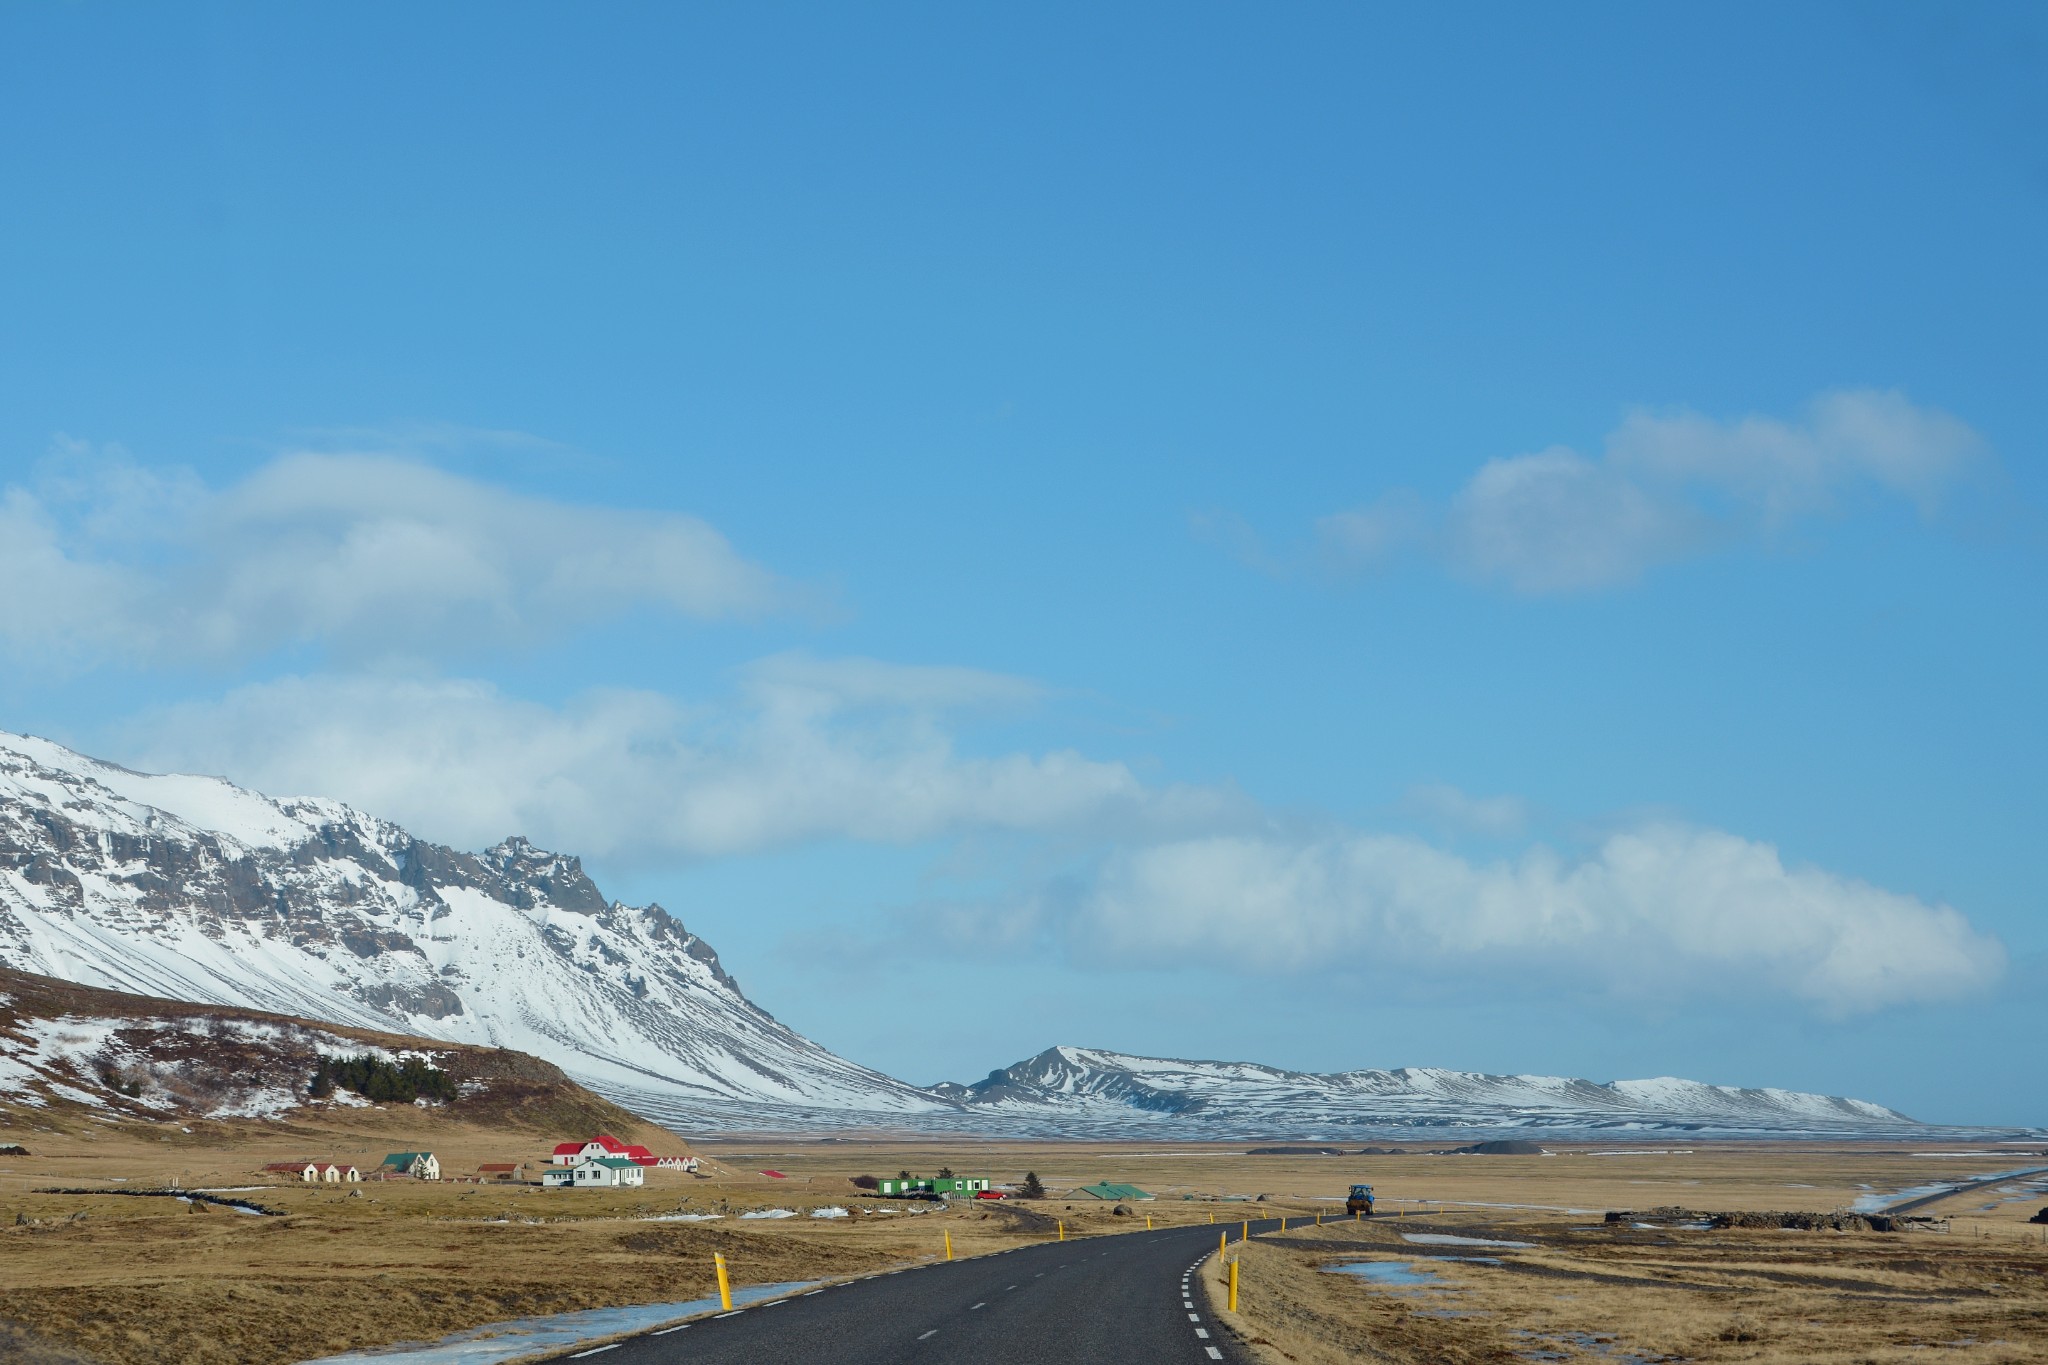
(595, 1173)
(418, 1165)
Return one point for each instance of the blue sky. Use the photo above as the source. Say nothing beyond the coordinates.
(1340, 537)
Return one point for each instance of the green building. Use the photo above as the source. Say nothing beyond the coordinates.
(898, 1187)
(1110, 1190)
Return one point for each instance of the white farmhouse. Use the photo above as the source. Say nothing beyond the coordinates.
(418, 1165)
(595, 1173)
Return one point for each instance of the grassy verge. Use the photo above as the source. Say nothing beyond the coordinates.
(1589, 1291)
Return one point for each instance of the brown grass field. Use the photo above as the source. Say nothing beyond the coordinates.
(100, 1277)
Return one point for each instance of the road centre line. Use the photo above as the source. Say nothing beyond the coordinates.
(1214, 1354)
(1202, 1332)
(666, 1330)
(922, 1335)
(595, 1350)
(982, 1304)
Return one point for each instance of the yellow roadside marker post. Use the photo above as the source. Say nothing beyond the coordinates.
(1222, 1245)
(1212, 1215)
(1148, 1222)
(1233, 1286)
(949, 1245)
(1283, 1222)
(1319, 1220)
(724, 1284)
(1246, 1235)
(1063, 1229)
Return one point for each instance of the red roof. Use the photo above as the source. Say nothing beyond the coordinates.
(775, 1175)
(612, 1147)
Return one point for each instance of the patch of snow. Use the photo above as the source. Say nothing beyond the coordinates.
(1445, 1239)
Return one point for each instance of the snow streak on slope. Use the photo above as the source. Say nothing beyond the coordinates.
(193, 889)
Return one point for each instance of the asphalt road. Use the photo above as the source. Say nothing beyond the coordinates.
(1121, 1298)
(1963, 1187)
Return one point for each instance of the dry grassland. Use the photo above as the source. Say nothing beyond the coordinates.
(1583, 1290)
(126, 1280)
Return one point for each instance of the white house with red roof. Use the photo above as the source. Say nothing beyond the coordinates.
(604, 1146)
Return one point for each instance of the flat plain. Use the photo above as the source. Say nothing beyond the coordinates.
(119, 1279)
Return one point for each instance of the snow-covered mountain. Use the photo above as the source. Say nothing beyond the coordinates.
(195, 889)
(1081, 1088)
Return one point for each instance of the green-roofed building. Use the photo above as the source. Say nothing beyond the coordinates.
(1111, 1190)
(419, 1165)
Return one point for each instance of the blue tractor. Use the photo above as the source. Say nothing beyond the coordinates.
(1360, 1200)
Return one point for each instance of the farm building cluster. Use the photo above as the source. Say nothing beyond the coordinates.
(602, 1162)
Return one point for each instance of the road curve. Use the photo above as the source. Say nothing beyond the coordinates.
(1960, 1187)
(1120, 1298)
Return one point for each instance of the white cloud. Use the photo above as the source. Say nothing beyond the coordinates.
(364, 554)
(1558, 522)
(1782, 469)
(1664, 910)
(812, 750)
(1495, 816)
(1367, 537)
(1668, 486)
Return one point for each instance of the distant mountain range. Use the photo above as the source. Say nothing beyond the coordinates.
(1088, 1088)
(195, 889)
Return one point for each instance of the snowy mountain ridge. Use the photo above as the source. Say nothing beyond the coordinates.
(194, 889)
(1252, 1100)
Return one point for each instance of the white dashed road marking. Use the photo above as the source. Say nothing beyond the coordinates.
(982, 1304)
(679, 1327)
(922, 1335)
(1202, 1332)
(595, 1350)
